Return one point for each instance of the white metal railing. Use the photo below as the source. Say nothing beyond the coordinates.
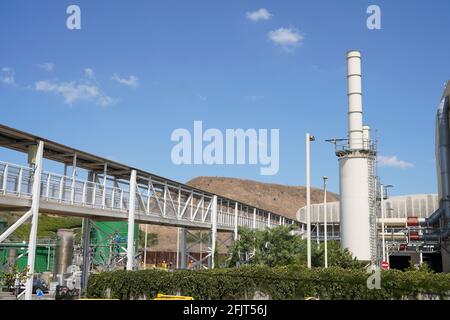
(155, 199)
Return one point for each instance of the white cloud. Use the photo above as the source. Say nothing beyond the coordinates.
(261, 14)
(89, 73)
(132, 81)
(7, 76)
(393, 161)
(254, 98)
(73, 92)
(47, 66)
(286, 37)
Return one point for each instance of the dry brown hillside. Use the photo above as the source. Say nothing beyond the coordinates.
(281, 199)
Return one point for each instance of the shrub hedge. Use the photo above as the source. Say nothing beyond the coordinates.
(293, 282)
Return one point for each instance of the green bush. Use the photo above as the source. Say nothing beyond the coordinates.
(293, 282)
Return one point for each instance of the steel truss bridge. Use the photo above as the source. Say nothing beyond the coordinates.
(97, 188)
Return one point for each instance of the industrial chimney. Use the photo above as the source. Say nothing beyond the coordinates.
(357, 175)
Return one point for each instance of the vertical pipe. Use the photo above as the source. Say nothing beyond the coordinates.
(86, 252)
(355, 126)
(36, 193)
(308, 201)
(131, 209)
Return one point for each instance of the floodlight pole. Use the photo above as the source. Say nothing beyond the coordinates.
(325, 219)
(309, 138)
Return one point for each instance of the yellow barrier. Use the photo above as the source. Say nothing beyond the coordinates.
(160, 296)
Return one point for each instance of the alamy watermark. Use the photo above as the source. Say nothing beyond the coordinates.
(73, 21)
(235, 146)
(374, 20)
(374, 280)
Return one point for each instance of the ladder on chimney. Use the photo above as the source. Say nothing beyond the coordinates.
(371, 164)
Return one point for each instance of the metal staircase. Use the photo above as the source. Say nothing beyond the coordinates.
(372, 209)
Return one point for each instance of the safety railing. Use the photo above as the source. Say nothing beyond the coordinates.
(158, 200)
(15, 179)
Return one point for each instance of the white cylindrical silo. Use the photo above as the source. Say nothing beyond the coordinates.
(355, 122)
(354, 205)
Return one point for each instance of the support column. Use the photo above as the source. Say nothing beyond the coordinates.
(318, 235)
(86, 230)
(254, 218)
(131, 209)
(213, 230)
(105, 173)
(145, 248)
(36, 192)
(74, 175)
(182, 249)
(235, 221)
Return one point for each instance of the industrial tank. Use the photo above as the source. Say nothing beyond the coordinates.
(64, 253)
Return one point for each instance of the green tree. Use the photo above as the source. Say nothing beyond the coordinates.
(280, 246)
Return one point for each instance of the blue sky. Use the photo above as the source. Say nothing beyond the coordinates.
(137, 70)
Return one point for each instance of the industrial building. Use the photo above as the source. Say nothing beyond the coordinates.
(371, 226)
(397, 210)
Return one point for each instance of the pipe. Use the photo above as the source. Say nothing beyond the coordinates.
(355, 123)
(433, 219)
(436, 236)
(442, 161)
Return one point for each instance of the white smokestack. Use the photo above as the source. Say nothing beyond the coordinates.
(355, 172)
(355, 123)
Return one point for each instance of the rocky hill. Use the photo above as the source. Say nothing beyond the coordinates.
(282, 199)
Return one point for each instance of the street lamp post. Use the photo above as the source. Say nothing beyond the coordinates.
(325, 178)
(309, 138)
(383, 243)
(383, 238)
